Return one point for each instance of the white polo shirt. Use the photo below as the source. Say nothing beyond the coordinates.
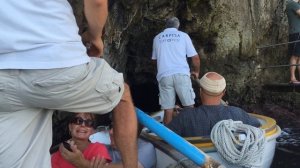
(170, 49)
(39, 34)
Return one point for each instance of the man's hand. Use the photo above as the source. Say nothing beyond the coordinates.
(194, 75)
(94, 46)
(98, 162)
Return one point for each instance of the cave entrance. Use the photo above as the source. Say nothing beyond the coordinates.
(145, 96)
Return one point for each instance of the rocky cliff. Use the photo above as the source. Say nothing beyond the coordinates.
(226, 33)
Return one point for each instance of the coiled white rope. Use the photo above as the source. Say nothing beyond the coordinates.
(239, 143)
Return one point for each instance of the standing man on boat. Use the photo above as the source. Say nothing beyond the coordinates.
(293, 14)
(170, 51)
(44, 67)
(200, 121)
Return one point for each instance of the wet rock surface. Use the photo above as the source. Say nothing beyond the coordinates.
(283, 159)
(287, 152)
(289, 140)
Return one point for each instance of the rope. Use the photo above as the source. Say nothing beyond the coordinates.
(279, 66)
(273, 45)
(239, 143)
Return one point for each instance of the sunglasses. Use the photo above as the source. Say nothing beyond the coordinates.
(80, 121)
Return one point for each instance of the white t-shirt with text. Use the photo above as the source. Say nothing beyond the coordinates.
(171, 49)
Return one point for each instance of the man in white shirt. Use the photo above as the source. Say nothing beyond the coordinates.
(170, 51)
(44, 67)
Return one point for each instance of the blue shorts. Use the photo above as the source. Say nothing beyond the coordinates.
(179, 84)
(294, 48)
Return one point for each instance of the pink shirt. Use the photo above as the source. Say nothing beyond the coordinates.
(92, 150)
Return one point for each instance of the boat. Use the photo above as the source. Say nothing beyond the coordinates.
(168, 157)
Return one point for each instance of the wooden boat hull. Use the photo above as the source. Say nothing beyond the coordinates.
(169, 157)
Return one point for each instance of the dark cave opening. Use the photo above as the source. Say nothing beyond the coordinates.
(145, 96)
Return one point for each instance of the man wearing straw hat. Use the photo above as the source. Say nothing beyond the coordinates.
(199, 121)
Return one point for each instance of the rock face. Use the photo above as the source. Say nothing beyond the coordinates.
(226, 34)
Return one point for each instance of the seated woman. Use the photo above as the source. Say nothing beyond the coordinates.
(79, 151)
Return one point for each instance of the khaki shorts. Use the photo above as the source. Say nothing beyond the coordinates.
(179, 84)
(93, 87)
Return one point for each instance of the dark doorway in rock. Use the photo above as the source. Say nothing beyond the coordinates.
(145, 96)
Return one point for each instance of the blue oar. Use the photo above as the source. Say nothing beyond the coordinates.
(177, 142)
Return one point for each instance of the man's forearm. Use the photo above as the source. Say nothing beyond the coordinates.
(196, 64)
(96, 12)
(125, 129)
